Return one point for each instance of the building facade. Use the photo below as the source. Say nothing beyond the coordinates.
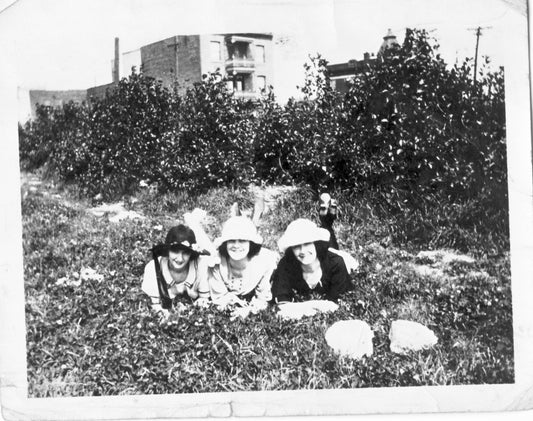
(341, 73)
(245, 59)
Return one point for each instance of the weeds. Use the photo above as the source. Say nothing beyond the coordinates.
(98, 337)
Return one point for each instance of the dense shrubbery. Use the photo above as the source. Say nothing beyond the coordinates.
(415, 135)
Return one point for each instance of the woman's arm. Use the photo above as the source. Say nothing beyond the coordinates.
(149, 282)
(282, 290)
(220, 294)
(337, 276)
(200, 288)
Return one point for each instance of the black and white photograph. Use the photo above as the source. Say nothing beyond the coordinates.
(265, 208)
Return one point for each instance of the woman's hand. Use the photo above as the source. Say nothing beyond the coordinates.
(230, 300)
(163, 315)
(202, 302)
(241, 312)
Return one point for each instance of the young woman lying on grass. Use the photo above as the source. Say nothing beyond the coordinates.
(241, 274)
(177, 268)
(309, 265)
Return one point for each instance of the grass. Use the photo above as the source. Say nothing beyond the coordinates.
(100, 338)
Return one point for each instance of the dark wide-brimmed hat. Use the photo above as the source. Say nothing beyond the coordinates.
(181, 237)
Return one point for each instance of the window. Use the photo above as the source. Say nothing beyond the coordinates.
(261, 83)
(240, 83)
(260, 53)
(238, 51)
(214, 48)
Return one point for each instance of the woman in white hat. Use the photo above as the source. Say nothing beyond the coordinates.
(241, 276)
(308, 265)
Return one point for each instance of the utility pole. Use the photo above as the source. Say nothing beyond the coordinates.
(478, 34)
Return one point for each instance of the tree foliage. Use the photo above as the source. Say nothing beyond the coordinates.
(412, 131)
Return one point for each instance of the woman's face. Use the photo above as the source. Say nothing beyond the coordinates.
(178, 259)
(238, 249)
(305, 253)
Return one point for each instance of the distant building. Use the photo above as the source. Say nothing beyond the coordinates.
(245, 59)
(341, 73)
(50, 98)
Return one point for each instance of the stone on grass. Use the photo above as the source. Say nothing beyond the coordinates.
(444, 256)
(125, 215)
(408, 336)
(89, 274)
(351, 338)
(115, 211)
(458, 258)
(425, 270)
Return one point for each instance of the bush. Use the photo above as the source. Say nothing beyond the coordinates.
(420, 137)
(211, 143)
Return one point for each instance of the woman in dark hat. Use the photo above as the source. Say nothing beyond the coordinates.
(177, 268)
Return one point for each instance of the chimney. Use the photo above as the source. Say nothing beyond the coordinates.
(367, 56)
(116, 63)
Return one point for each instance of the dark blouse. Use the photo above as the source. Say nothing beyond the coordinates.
(288, 279)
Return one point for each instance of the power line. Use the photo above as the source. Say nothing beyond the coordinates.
(478, 34)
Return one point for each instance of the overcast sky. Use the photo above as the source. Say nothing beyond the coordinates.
(68, 44)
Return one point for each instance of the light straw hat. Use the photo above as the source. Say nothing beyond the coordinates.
(301, 231)
(239, 228)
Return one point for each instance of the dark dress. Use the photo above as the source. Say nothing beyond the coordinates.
(288, 279)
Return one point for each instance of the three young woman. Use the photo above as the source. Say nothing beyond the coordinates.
(243, 274)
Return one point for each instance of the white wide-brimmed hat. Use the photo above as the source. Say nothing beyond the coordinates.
(301, 231)
(239, 228)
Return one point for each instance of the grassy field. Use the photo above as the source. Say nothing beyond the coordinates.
(93, 333)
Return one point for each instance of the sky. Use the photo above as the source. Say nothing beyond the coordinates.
(68, 44)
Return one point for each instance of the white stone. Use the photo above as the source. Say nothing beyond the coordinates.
(408, 336)
(444, 256)
(125, 215)
(425, 270)
(351, 338)
(457, 258)
(89, 274)
(115, 211)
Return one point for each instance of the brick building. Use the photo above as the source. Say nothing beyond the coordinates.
(244, 58)
(340, 73)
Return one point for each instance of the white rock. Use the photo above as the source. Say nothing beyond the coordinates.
(444, 256)
(424, 270)
(431, 255)
(115, 211)
(125, 215)
(105, 208)
(457, 258)
(408, 336)
(89, 274)
(351, 338)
